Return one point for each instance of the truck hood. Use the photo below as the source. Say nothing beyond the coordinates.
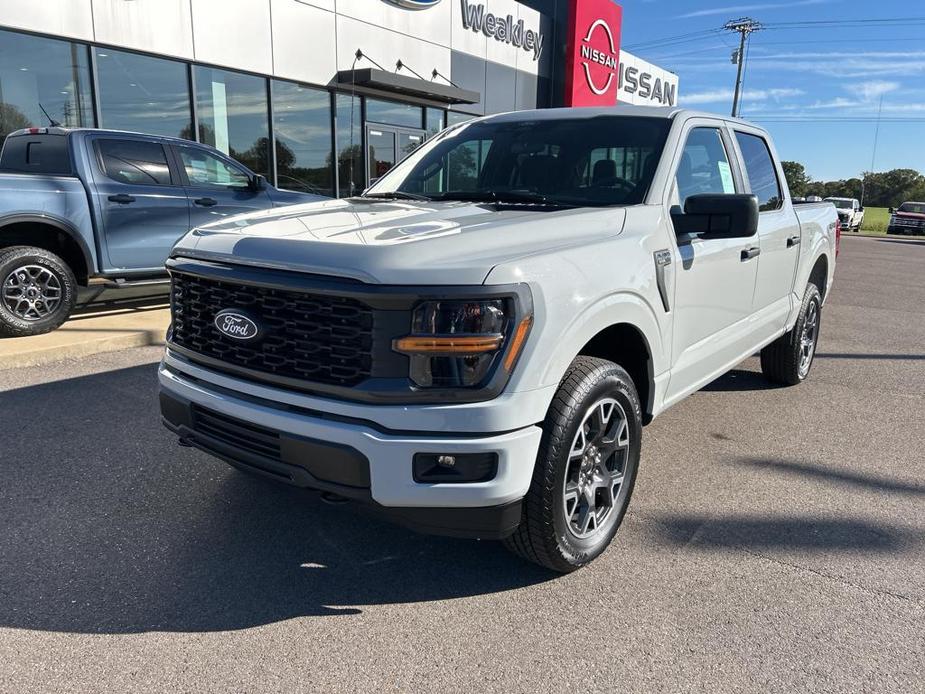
(396, 242)
(908, 215)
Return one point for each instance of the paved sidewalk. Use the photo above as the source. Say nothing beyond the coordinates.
(88, 334)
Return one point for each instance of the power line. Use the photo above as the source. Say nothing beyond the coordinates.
(679, 38)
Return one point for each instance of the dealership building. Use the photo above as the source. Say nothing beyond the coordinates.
(318, 95)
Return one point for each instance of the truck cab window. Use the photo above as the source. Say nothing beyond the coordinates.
(760, 170)
(205, 169)
(704, 166)
(136, 162)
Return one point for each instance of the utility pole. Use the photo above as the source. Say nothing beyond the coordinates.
(744, 26)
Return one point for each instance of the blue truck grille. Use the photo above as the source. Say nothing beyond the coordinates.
(313, 338)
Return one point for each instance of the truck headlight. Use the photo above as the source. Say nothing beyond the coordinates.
(459, 343)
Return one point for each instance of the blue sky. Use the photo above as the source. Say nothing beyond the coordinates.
(815, 77)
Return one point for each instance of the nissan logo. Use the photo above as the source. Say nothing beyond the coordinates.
(609, 60)
(414, 4)
(236, 325)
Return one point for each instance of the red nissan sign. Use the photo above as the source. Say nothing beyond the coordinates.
(593, 53)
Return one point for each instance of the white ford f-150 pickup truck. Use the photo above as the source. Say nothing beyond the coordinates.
(474, 344)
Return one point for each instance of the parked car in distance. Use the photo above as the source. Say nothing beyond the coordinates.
(81, 204)
(908, 218)
(473, 345)
(850, 213)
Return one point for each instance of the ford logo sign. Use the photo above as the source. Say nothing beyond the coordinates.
(414, 4)
(236, 325)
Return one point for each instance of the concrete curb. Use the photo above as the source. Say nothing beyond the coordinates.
(87, 335)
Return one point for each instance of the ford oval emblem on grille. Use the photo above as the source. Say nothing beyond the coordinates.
(236, 325)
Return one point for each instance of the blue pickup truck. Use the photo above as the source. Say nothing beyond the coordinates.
(82, 205)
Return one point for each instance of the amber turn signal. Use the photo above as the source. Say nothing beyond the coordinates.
(517, 343)
(448, 344)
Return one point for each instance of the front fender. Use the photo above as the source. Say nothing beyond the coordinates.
(618, 308)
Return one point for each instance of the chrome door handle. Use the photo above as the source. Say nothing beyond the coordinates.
(749, 253)
(793, 241)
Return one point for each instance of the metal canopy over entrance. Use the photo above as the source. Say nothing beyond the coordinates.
(384, 81)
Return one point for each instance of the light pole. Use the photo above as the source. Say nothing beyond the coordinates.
(744, 26)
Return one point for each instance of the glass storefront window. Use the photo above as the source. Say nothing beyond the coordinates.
(302, 125)
(38, 73)
(233, 116)
(143, 94)
(393, 113)
(435, 121)
(454, 117)
(351, 176)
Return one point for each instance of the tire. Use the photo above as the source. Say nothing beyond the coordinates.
(37, 291)
(789, 358)
(596, 404)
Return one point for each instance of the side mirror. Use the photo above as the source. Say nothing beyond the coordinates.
(860, 209)
(257, 182)
(891, 210)
(717, 216)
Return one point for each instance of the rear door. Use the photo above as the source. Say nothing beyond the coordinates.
(217, 187)
(778, 233)
(714, 280)
(141, 206)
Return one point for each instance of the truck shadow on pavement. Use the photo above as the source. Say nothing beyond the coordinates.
(740, 380)
(810, 532)
(107, 526)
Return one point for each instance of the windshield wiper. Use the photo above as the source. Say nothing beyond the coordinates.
(501, 197)
(396, 195)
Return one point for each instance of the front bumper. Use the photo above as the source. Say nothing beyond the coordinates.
(353, 457)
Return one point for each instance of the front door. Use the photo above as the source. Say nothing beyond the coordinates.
(217, 187)
(714, 279)
(141, 205)
(388, 145)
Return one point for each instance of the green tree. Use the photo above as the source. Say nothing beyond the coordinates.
(797, 179)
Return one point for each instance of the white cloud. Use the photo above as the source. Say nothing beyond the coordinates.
(716, 96)
(873, 90)
(740, 9)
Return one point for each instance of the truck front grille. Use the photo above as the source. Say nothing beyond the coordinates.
(310, 337)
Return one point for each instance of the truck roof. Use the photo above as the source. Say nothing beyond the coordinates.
(668, 112)
(58, 130)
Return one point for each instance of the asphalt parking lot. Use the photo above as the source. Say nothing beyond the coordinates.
(775, 542)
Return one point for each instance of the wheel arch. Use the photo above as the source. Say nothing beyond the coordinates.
(819, 274)
(626, 345)
(624, 329)
(50, 234)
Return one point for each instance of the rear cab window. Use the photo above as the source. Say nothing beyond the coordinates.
(134, 162)
(37, 154)
(760, 171)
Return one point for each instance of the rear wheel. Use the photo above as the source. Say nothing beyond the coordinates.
(37, 291)
(585, 470)
(789, 358)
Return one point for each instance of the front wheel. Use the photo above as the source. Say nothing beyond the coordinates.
(789, 358)
(37, 291)
(585, 470)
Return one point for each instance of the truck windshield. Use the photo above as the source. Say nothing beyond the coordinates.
(842, 204)
(916, 207)
(598, 161)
